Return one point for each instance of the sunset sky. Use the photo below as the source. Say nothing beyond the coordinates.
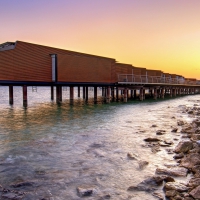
(156, 34)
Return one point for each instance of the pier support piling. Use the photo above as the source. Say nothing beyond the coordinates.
(52, 93)
(95, 94)
(71, 94)
(86, 93)
(58, 93)
(83, 92)
(125, 95)
(10, 94)
(25, 99)
(79, 92)
(108, 95)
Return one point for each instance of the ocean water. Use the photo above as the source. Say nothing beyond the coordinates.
(59, 147)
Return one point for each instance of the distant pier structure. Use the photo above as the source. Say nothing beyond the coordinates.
(25, 64)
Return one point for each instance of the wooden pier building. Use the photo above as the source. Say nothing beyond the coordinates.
(26, 64)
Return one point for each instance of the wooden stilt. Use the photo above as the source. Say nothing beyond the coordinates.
(95, 94)
(25, 99)
(10, 94)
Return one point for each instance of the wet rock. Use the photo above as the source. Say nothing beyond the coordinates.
(154, 125)
(132, 156)
(196, 170)
(178, 156)
(195, 137)
(160, 132)
(106, 196)
(22, 184)
(188, 198)
(148, 184)
(194, 182)
(180, 123)
(151, 140)
(187, 129)
(195, 193)
(190, 160)
(171, 193)
(196, 122)
(190, 112)
(184, 146)
(180, 187)
(86, 190)
(170, 151)
(142, 164)
(174, 130)
(163, 144)
(9, 195)
(175, 171)
(158, 195)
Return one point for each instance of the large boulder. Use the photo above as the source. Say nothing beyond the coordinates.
(190, 160)
(184, 146)
(180, 187)
(195, 193)
(175, 171)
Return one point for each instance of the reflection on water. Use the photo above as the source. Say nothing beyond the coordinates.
(56, 148)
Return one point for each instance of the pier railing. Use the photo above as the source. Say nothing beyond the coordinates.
(154, 79)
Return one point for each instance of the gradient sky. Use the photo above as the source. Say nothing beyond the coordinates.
(156, 34)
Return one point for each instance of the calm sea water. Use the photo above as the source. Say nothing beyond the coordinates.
(60, 147)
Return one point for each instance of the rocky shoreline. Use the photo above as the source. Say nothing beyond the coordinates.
(165, 184)
(187, 156)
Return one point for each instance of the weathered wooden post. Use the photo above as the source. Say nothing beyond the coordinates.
(83, 92)
(25, 99)
(155, 94)
(10, 94)
(52, 92)
(79, 92)
(125, 95)
(58, 93)
(71, 94)
(95, 94)
(108, 95)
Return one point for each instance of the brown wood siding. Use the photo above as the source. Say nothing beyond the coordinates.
(154, 72)
(31, 62)
(121, 68)
(73, 68)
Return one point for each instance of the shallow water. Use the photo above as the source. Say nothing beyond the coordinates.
(60, 147)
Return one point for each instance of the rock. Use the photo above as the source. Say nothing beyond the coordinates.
(22, 184)
(195, 137)
(183, 146)
(154, 125)
(188, 198)
(86, 190)
(178, 156)
(148, 184)
(160, 132)
(151, 140)
(190, 112)
(9, 195)
(174, 130)
(175, 171)
(180, 123)
(196, 122)
(171, 193)
(142, 164)
(195, 193)
(196, 170)
(132, 156)
(163, 144)
(190, 160)
(158, 195)
(180, 187)
(187, 129)
(194, 182)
